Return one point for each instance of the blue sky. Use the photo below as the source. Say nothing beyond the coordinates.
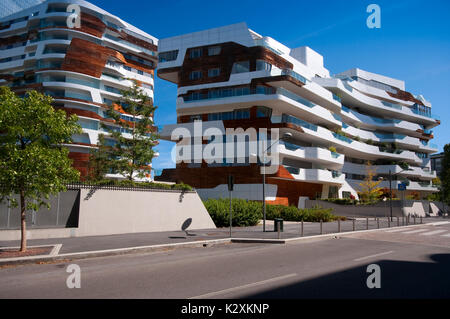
(413, 43)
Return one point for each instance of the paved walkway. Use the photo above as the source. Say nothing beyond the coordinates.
(291, 230)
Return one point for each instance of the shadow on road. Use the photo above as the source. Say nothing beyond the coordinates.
(399, 279)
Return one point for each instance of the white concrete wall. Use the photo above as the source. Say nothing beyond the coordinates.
(109, 212)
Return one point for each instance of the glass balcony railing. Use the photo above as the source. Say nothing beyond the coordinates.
(392, 105)
(295, 75)
(292, 170)
(264, 43)
(336, 98)
(342, 138)
(387, 136)
(296, 121)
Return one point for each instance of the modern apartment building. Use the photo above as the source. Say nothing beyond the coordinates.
(436, 163)
(231, 77)
(83, 67)
(8, 7)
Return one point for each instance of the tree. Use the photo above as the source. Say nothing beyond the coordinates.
(369, 188)
(33, 162)
(133, 151)
(99, 160)
(445, 176)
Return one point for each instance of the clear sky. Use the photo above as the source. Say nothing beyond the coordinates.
(413, 43)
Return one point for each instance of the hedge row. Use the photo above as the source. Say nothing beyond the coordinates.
(150, 185)
(248, 213)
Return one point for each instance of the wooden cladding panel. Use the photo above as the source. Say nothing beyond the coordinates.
(88, 58)
(405, 96)
(288, 190)
(230, 53)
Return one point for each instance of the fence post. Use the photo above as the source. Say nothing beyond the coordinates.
(389, 222)
(421, 220)
(301, 234)
(339, 225)
(398, 221)
(321, 227)
(378, 223)
(354, 225)
(414, 219)
(403, 220)
(367, 223)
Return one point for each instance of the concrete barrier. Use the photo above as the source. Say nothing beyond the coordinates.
(108, 212)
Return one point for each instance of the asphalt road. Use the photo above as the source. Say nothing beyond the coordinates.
(413, 265)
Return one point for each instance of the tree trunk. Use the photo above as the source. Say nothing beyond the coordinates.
(23, 223)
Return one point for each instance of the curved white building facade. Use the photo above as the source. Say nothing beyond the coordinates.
(83, 66)
(231, 77)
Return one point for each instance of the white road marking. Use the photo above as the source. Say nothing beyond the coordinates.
(440, 223)
(396, 230)
(55, 250)
(415, 231)
(376, 255)
(259, 283)
(434, 232)
(446, 235)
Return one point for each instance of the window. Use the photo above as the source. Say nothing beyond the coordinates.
(197, 117)
(263, 112)
(147, 86)
(346, 194)
(215, 50)
(127, 68)
(140, 72)
(263, 65)
(242, 114)
(195, 75)
(240, 67)
(213, 72)
(195, 53)
(168, 56)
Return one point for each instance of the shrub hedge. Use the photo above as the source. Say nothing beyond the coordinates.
(248, 213)
(151, 185)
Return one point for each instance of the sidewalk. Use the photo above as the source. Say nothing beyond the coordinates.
(122, 242)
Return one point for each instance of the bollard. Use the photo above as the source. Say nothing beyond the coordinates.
(389, 222)
(421, 219)
(378, 223)
(398, 221)
(367, 223)
(279, 230)
(321, 227)
(301, 234)
(403, 220)
(414, 219)
(339, 225)
(354, 225)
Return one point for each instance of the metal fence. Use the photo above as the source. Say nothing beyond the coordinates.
(118, 187)
(63, 213)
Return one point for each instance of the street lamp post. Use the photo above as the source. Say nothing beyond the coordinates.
(285, 137)
(390, 189)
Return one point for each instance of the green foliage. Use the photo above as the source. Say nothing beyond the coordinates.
(99, 160)
(131, 155)
(445, 176)
(245, 213)
(370, 192)
(292, 213)
(248, 213)
(32, 161)
(332, 149)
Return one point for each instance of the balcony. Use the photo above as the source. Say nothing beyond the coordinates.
(314, 175)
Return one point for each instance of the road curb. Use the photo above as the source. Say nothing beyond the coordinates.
(194, 244)
(110, 252)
